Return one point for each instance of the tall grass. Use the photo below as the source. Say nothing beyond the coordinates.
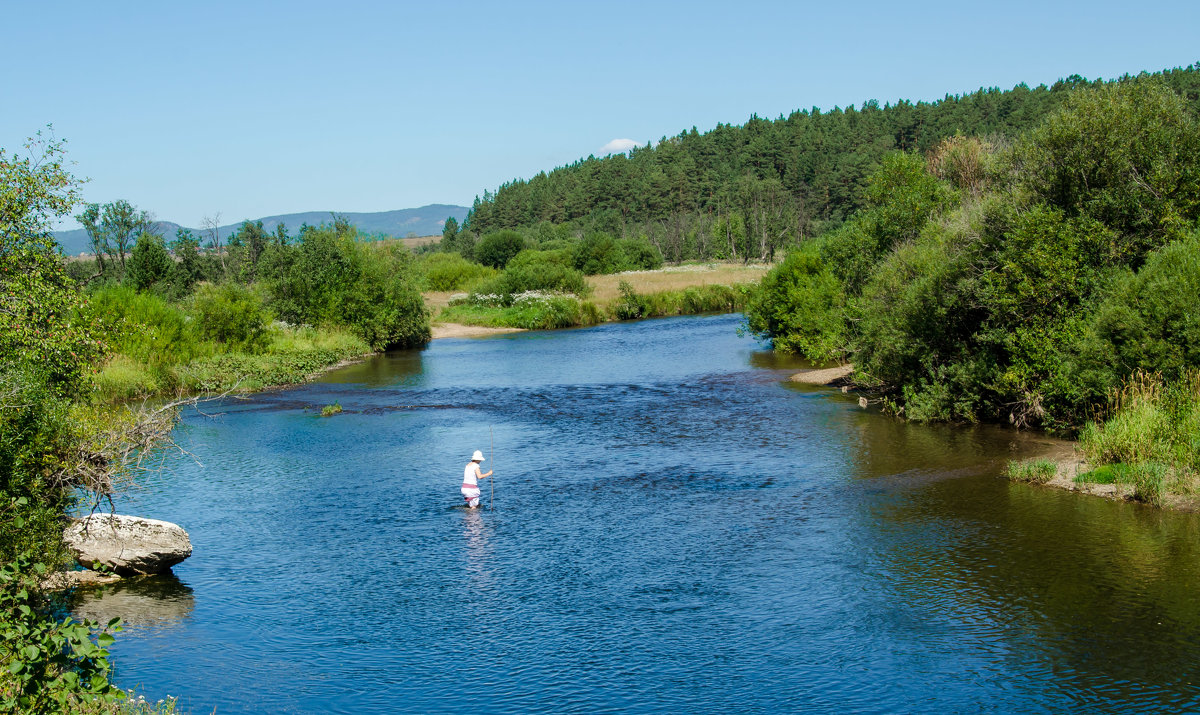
(1038, 471)
(1152, 428)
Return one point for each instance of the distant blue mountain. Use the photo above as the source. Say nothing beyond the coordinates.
(424, 221)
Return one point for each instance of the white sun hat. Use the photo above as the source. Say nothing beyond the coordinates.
(477, 457)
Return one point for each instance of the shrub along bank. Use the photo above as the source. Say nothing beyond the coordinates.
(265, 311)
(1029, 281)
(1017, 283)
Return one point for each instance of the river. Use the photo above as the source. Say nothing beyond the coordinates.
(675, 528)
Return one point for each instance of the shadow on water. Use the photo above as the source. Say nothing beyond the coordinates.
(391, 369)
(1088, 597)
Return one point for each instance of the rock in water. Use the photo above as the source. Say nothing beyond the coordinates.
(127, 544)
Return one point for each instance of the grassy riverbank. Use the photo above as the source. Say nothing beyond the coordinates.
(1146, 447)
(676, 290)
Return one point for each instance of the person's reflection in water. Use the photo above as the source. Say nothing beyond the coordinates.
(475, 528)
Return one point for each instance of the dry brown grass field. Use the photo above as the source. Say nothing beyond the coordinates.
(672, 278)
(676, 278)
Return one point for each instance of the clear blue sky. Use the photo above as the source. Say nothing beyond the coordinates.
(259, 108)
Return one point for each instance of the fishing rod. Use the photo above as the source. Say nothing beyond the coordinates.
(491, 456)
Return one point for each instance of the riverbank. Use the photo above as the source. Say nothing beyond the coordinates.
(677, 290)
(1135, 469)
(1064, 467)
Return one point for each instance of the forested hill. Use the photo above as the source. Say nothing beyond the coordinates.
(789, 177)
(424, 221)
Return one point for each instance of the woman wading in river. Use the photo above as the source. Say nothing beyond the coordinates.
(471, 477)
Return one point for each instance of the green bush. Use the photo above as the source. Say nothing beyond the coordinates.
(901, 197)
(497, 249)
(451, 272)
(799, 306)
(36, 443)
(529, 311)
(1150, 420)
(1148, 320)
(47, 665)
(639, 254)
(1151, 436)
(149, 262)
(41, 322)
(535, 271)
(329, 279)
(123, 378)
(630, 305)
(232, 314)
(146, 327)
(1126, 154)
(599, 253)
(385, 307)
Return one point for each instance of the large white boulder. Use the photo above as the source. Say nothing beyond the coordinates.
(127, 544)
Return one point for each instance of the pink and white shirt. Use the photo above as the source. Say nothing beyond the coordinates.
(471, 475)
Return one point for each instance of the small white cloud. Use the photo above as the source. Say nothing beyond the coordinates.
(618, 146)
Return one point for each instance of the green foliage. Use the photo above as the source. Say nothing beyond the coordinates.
(292, 356)
(385, 307)
(743, 191)
(150, 262)
(247, 246)
(113, 228)
(694, 300)
(151, 338)
(450, 230)
(1148, 320)
(640, 254)
(46, 665)
(330, 279)
(599, 253)
(497, 249)
(533, 270)
(1037, 471)
(1150, 420)
(451, 272)
(529, 311)
(193, 266)
(331, 410)
(969, 164)
(36, 446)
(968, 298)
(630, 305)
(1125, 154)
(900, 199)
(1150, 438)
(232, 314)
(799, 306)
(39, 324)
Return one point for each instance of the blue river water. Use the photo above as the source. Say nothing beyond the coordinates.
(675, 528)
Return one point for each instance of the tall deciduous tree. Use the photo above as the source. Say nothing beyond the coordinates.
(39, 326)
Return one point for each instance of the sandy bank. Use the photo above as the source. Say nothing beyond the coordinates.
(1069, 464)
(829, 376)
(457, 330)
